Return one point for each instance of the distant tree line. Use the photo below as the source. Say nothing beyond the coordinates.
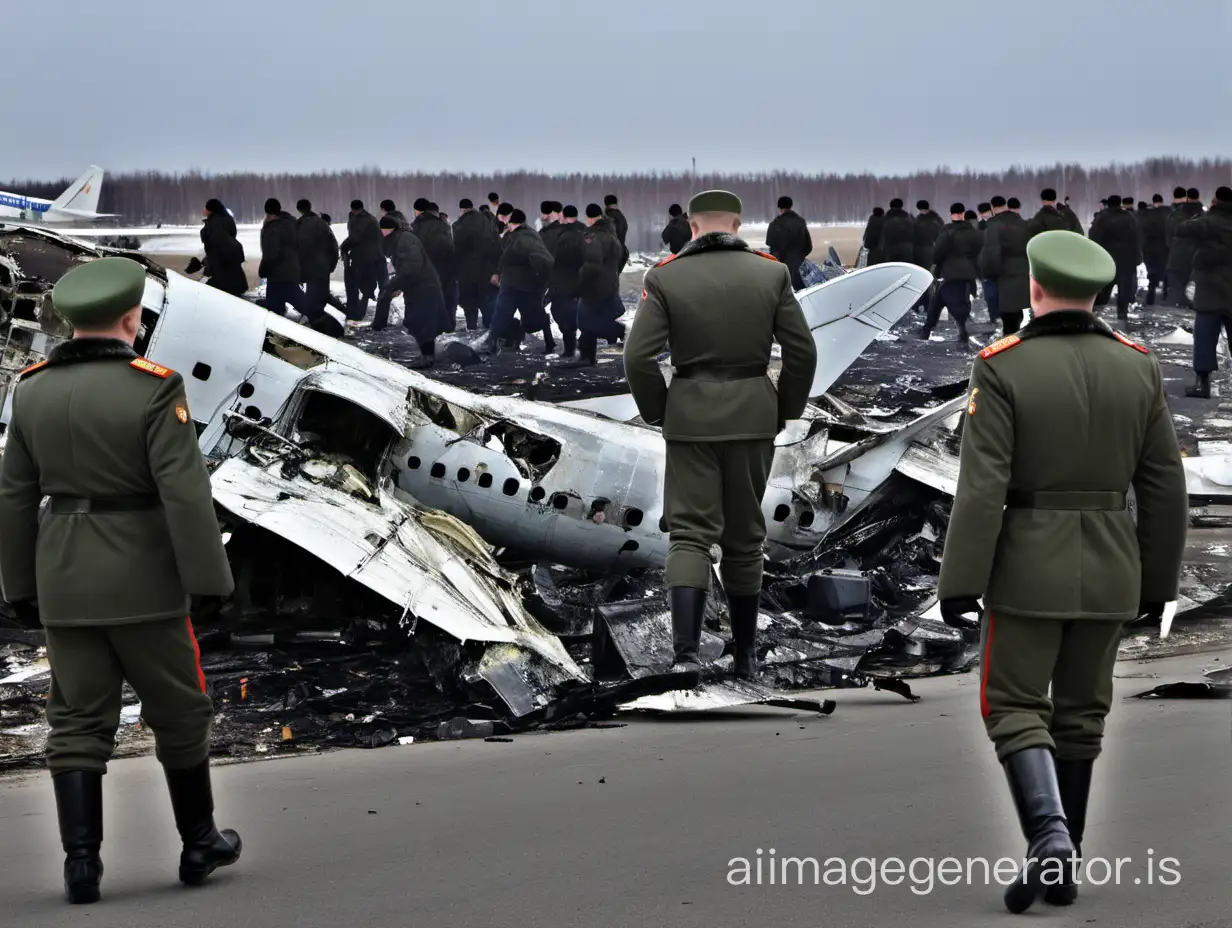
(154, 196)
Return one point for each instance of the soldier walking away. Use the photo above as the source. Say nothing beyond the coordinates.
(1116, 230)
(361, 253)
(620, 224)
(1153, 222)
(318, 256)
(1003, 264)
(148, 508)
(224, 255)
(788, 239)
(1211, 236)
(416, 279)
(523, 274)
(898, 234)
(477, 250)
(719, 307)
(985, 214)
(389, 208)
(1049, 218)
(280, 261)
(955, 253)
(1181, 251)
(437, 238)
(872, 236)
(600, 308)
(925, 229)
(1075, 224)
(676, 233)
(1046, 540)
(568, 255)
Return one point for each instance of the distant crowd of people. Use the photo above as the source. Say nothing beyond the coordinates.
(491, 261)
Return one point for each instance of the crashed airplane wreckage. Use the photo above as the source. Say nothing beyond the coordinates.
(360, 500)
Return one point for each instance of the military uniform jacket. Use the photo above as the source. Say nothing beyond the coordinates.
(1004, 259)
(720, 306)
(97, 421)
(1048, 219)
(1063, 419)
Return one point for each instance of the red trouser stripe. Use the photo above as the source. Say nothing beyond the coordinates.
(984, 710)
(196, 655)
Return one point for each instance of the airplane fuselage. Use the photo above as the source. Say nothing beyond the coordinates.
(33, 210)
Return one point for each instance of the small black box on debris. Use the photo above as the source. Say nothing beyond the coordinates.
(837, 596)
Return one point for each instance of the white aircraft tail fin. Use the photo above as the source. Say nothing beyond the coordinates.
(82, 194)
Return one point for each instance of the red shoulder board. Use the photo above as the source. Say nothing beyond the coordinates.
(1132, 344)
(668, 260)
(1003, 344)
(32, 368)
(764, 254)
(149, 367)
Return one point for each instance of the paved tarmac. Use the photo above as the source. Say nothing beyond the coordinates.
(638, 825)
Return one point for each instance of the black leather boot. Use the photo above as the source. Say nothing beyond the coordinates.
(963, 337)
(688, 613)
(79, 806)
(1074, 783)
(588, 352)
(427, 357)
(1202, 386)
(926, 332)
(205, 847)
(1032, 778)
(743, 611)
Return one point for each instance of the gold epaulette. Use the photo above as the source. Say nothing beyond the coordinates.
(32, 368)
(149, 367)
(1000, 345)
(1125, 340)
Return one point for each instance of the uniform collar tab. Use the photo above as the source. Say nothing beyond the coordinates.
(80, 350)
(713, 241)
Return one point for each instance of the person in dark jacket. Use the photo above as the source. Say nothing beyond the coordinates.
(1211, 235)
(1003, 264)
(361, 253)
(437, 240)
(477, 250)
(599, 288)
(620, 224)
(390, 209)
(318, 256)
(955, 251)
(224, 255)
(1117, 231)
(1075, 224)
(985, 214)
(549, 223)
(788, 239)
(1181, 251)
(280, 261)
(898, 234)
(503, 212)
(676, 233)
(1049, 218)
(925, 229)
(568, 253)
(522, 276)
(1153, 222)
(872, 236)
(972, 217)
(415, 278)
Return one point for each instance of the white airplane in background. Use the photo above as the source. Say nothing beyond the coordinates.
(78, 203)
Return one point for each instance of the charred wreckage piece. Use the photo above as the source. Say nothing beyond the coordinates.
(407, 552)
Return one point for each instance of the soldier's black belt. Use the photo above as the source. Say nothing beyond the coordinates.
(720, 373)
(77, 505)
(1085, 500)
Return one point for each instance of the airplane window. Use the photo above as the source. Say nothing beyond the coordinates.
(485, 480)
(537, 494)
(633, 517)
(806, 518)
(463, 475)
(438, 469)
(781, 512)
(202, 371)
(560, 501)
(510, 487)
(413, 462)
(247, 390)
(663, 524)
(629, 546)
(253, 412)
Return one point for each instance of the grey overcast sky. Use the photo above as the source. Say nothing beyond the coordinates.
(609, 85)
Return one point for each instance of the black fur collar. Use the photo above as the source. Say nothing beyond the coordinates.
(713, 241)
(79, 350)
(1066, 322)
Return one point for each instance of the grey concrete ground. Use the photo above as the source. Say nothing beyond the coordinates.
(636, 826)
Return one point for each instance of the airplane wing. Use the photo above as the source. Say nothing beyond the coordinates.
(845, 314)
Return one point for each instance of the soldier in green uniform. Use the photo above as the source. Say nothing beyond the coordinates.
(1064, 418)
(719, 306)
(128, 534)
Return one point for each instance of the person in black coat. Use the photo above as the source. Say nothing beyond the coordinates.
(956, 252)
(477, 249)
(898, 234)
(415, 278)
(390, 208)
(1211, 236)
(599, 288)
(280, 261)
(788, 239)
(1049, 218)
(568, 255)
(1004, 266)
(924, 231)
(437, 240)
(1117, 232)
(1153, 221)
(522, 276)
(677, 232)
(872, 236)
(611, 209)
(1181, 250)
(361, 253)
(224, 255)
(318, 256)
